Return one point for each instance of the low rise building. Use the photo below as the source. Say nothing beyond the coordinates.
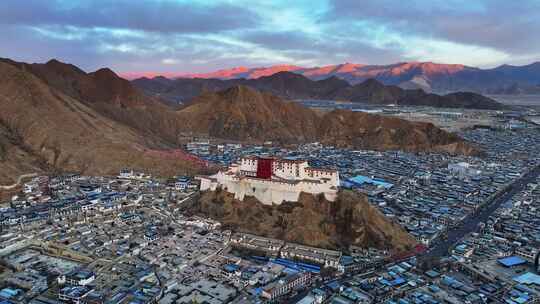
(328, 258)
(268, 246)
(78, 277)
(74, 294)
(279, 288)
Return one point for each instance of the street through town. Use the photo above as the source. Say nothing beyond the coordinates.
(470, 224)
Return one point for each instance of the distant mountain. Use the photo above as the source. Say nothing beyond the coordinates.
(373, 91)
(353, 73)
(295, 86)
(489, 80)
(243, 113)
(516, 89)
(431, 77)
(284, 84)
(244, 72)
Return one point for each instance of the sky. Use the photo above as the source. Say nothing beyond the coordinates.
(188, 36)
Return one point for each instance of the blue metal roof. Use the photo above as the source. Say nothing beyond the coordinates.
(528, 278)
(360, 179)
(512, 261)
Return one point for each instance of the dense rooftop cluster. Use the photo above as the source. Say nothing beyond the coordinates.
(127, 238)
(426, 193)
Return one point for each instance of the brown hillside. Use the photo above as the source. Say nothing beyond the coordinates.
(243, 113)
(375, 132)
(15, 157)
(111, 96)
(350, 220)
(47, 129)
(56, 116)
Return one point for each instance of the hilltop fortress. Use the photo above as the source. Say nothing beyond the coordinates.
(273, 180)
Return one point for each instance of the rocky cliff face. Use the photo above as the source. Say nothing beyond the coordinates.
(313, 221)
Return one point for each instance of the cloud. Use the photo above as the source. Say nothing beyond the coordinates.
(170, 61)
(325, 47)
(154, 16)
(496, 24)
(284, 40)
(200, 36)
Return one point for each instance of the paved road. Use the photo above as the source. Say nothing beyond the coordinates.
(471, 222)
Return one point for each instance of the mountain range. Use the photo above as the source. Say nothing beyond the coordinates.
(56, 117)
(290, 85)
(243, 113)
(431, 77)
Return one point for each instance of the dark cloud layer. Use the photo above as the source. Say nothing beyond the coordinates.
(153, 16)
(193, 36)
(501, 24)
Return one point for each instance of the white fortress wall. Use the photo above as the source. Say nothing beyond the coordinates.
(291, 177)
(268, 191)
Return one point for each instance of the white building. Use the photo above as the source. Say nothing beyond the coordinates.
(126, 173)
(273, 181)
(463, 169)
(328, 258)
(77, 278)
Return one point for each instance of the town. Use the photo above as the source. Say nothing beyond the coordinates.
(72, 238)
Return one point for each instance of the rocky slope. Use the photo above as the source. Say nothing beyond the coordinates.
(242, 113)
(294, 86)
(429, 76)
(44, 129)
(374, 132)
(16, 157)
(109, 95)
(313, 221)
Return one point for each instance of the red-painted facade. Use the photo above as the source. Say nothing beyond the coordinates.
(264, 167)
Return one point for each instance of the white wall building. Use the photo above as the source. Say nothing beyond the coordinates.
(463, 169)
(273, 181)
